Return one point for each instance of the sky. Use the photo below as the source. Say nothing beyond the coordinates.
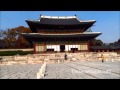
(108, 22)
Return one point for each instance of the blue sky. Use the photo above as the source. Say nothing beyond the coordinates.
(108, 22)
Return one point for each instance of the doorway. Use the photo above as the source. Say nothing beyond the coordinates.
(62, 48)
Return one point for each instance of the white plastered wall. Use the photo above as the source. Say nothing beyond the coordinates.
(55, 47)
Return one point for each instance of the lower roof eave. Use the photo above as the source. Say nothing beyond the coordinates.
(68, 34)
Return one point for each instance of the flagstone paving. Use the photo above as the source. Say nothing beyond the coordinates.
(66, 70)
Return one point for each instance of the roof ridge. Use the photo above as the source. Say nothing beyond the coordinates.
(58, 17)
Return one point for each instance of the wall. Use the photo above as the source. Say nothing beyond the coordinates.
(17, 49)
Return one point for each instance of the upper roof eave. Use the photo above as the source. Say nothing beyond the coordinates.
(80, 22)
(57, 18)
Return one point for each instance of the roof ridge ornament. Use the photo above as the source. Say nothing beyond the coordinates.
(40, 17)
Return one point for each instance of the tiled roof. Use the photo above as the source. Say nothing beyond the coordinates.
(73, 20)
(107, 47)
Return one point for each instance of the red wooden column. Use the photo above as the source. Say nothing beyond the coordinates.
(44, 45)
(34, 48)
(88, 47)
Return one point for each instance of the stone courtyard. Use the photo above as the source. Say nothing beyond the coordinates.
(53, 66)
(19, 71)
(83, 70)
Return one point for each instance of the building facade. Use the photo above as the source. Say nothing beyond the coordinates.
(60, 34)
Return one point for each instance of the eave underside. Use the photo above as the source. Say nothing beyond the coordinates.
(58, 39)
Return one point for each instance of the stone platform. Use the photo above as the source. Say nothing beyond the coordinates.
(57, 58)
